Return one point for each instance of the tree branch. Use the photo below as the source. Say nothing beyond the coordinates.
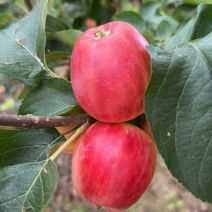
(39, 122)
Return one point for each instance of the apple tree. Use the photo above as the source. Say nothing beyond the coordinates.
(36, 36)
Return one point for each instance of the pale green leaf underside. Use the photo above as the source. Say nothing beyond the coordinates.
(27, 186)
(179, 108)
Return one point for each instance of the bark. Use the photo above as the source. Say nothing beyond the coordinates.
(39, 122)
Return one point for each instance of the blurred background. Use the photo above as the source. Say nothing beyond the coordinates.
(157, 21)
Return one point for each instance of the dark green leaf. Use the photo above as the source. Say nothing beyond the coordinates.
(22, 146)
(51, 97)
(53, 24)
(22, 47)
(197, 27)
(55, 45)
(205, 46)
(27, 186)
(178, 104)
(5, 7)
(56, 55)
(184, 11)
(96, 9)
(132, 18)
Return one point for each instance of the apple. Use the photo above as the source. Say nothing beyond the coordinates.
(110, 70)
(113, 164)
(89, 22)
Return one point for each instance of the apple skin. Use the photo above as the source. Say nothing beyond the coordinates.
(109, 74)
(113, 164)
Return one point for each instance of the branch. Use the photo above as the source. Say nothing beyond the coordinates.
(39, 122)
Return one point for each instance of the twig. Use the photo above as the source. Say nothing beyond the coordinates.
(39, 122)
(71, 139)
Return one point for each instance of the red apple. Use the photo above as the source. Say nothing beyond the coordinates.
(113, 164)
(110, 70)
(89, 22)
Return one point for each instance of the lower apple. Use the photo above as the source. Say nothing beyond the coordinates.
(113, 164)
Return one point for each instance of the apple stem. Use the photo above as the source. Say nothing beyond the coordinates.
(98, 206)
(79, 131)
(99, 34)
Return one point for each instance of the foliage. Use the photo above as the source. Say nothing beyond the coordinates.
(178, 101)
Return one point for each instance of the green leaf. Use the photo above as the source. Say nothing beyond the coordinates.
(5, 7)
(205, 46)
(197, 1)
(131, 18)
(53, 24)
(22, 146)
(23, 47)
(198, 26)
(5, 19)
(21, 5)
(51, 97)
(178, 105)
(56, 55)
(27, 186)
(67, 37)
(149, 10)
(163, 30)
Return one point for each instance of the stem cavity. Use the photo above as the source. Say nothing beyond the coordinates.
(99, 34)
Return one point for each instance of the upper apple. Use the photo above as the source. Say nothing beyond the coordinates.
(110, 70)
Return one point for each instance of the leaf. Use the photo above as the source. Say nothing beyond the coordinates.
(67, 37)
(131, 18)
(27, 186)
(150, 10)
(205, 46)
(21, 5)
(50, 98)
(198, 26)
(56, 55)
(22, 146)
(197, 1)
(5, 7)
(178, 105)
(53, 24)
(23, 46)
(5, 19)
(163, 30)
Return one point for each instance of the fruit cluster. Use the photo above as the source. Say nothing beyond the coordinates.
(114, 161)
